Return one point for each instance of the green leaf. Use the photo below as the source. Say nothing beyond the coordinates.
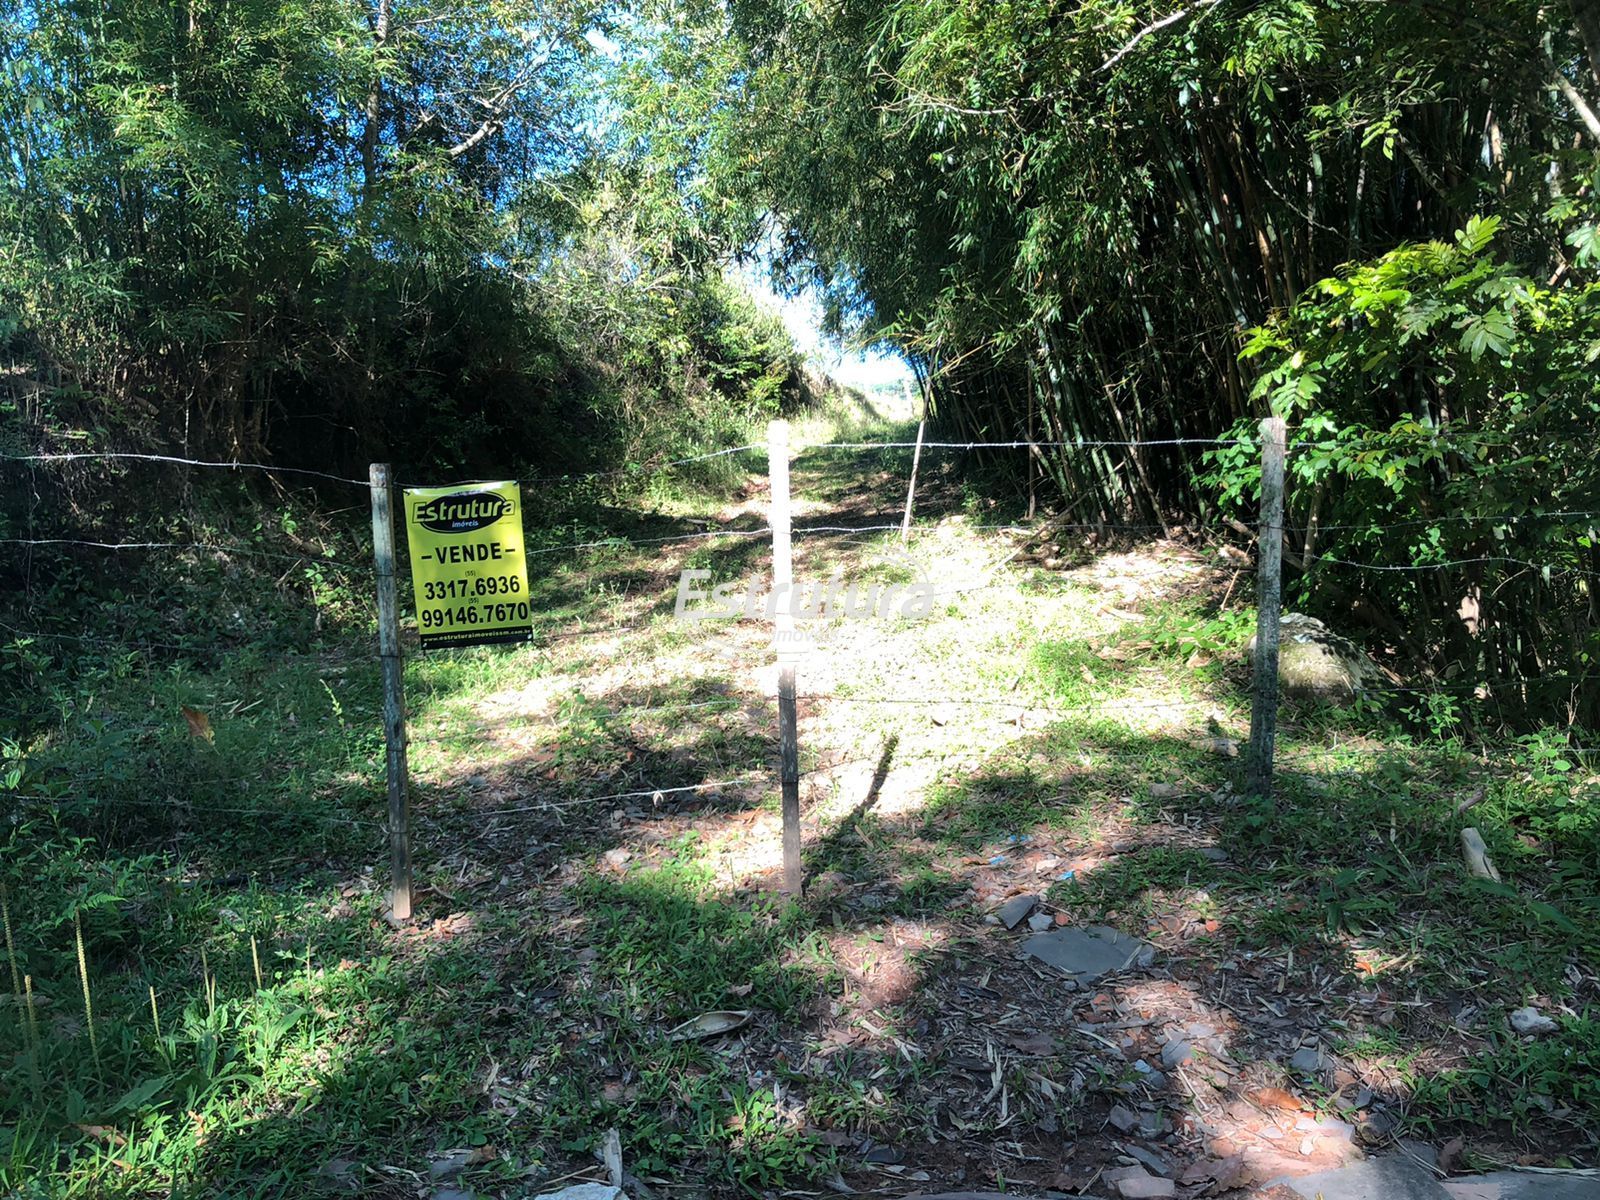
(136, 1098)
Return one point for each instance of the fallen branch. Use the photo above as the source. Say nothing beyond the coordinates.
(1470, 801)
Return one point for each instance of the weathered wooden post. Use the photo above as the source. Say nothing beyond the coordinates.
(783, 637)
(1269, 608)
(911, 491)
(394, 693)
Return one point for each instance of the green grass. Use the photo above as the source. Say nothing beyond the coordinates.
(531, 1008)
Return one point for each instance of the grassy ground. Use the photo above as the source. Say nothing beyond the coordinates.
(250, 1025)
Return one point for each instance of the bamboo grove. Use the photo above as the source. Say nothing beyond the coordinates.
(1113, 222)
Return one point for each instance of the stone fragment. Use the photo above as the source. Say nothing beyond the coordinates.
(1388, 1178)
(1015, 909)
(1522, 1185)
(1152, 1161)
(1307, 1060)
(1531, 1021)
(1175, 1053)
(450, 1165)
(1145, 1187)
(1087, 954)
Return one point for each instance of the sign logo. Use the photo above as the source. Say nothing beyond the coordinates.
(468, 569)
(463, 512)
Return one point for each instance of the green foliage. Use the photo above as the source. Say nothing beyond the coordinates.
(1518, 1080)
(1435, 394)
(340, 229)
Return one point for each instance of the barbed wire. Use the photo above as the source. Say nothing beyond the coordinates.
(126, 643)
(575, 802)
(276, 469)
(1027, 705)
(616, 472)
(1458, 518)
(1023, 445)
(195, 547)
(201, 807)
(619, 542)
(193, 807)
(116, 455)
(1546, 569)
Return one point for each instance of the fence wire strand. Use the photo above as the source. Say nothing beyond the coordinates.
(191, 547)
(172, 459)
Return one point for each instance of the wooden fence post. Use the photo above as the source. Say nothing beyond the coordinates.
(783, 636)
(1269, 608)
(394, 693)
(911, 491)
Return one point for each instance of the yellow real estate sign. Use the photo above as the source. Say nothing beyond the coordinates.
(467, 564)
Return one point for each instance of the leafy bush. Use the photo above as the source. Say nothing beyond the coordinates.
(1435, 395)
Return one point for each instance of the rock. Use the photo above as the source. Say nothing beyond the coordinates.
(1175, 1053)
(1014, 909)
(1087, 954)
(450, 1165)
(1165, 791)
(1040, 922)
(583, 1191)
(1307, 1060)
(1521, 1185)
(1156, 1164)
(1417, 1151)
(1123, 1117)
(1149, 1076)
(1379, 1126)
(1145, 1187)
(1214, 853)
(1316, 664)
(1339, 1131)
(1390, 1178)
(343, 1173)
(1225, 1173)
(1531, 1021)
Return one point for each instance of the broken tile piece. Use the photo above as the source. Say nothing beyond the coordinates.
(1014, 909)
(1307, 1059)
(1123, 1117)
(1145, 1187)
(1087, 954)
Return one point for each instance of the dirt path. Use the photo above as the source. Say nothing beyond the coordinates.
(1058, 732)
